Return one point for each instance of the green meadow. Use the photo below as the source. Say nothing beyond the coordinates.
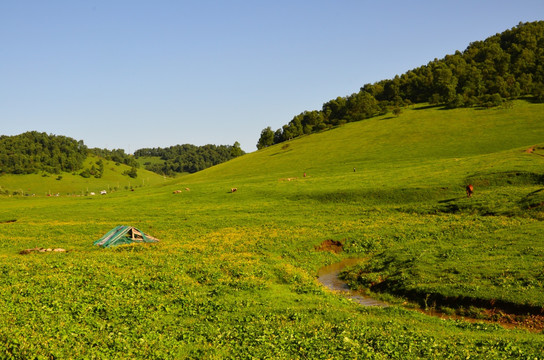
(113, 179)
(235, 273)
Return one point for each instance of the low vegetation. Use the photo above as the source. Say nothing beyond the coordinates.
(234, 275)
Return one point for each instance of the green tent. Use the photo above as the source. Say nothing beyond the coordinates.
(121, 235)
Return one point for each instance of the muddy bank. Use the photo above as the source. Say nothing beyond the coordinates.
(435, 300)
(468, 309)
(328, 276)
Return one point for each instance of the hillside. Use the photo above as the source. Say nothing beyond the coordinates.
(421, 135)
(486, 74)
(234, 275)
(186, 158)
(33, 152)
(114, 178)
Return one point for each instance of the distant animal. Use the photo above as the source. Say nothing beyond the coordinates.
(176, 191)
(233, 190)
(470, 190)
(187, 189)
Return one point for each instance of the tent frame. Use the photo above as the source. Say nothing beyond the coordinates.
(121, 235)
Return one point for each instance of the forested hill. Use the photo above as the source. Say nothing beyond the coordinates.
(488, 73)
(187, 158)
(34, 151)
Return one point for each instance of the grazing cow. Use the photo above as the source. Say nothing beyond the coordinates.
(187, 189)
(470, 190)
(177, 191)
(233, 190)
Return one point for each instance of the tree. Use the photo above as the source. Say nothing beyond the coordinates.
(335, 110)
(278, 136)
(33, 151)
(236, 150)
(86, 173)
(361, 105)
(133, 172)
(266, 139)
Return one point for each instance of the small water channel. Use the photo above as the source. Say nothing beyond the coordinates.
(328, 276)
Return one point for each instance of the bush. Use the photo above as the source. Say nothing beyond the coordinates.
(86, 173)
(133, 172)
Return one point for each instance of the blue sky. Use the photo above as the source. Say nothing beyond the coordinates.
(132, 74)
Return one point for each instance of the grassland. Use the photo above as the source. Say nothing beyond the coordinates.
(149, 160)
(234, 275)
(64, 183)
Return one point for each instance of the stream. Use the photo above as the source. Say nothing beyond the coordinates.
(328, 276)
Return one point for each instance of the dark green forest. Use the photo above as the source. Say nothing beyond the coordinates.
(488, 73)
(33, 151)
(188, 158)
(117, 155)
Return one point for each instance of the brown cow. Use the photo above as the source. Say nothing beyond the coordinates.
(233, 190)
(470, 190)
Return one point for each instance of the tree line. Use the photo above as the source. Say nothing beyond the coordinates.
(188, 158)
(34, 151)
(116, 155)
(505, 66)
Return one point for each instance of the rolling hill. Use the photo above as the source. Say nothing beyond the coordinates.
(71, 183)
(234, 275)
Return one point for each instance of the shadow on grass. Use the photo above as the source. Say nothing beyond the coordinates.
(372, 196)
(429, 107)
(449, 200)
(505, 178)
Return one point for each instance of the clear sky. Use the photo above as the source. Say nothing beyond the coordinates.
(131, 74)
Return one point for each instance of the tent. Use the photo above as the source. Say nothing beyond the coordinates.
(121, 235)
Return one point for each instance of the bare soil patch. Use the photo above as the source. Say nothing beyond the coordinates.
(8, 221)
(331, 245)
(41, 250)
(533, 322)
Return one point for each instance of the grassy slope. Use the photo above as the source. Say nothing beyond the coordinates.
(143, 160)
(112, 179)
(234, 274)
